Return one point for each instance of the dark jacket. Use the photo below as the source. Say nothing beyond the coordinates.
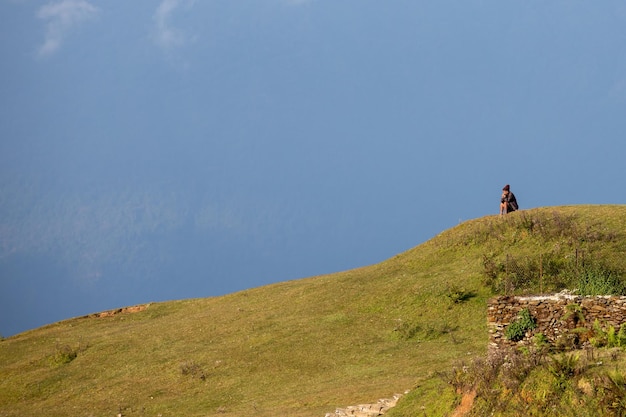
(511, 202)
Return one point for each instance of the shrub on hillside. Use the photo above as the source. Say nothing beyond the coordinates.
(65, 353)
(193, 369)
(517, 330)
(599, 280)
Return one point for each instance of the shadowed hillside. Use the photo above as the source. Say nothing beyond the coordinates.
(306, 347)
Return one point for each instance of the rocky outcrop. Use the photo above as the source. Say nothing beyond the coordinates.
(125, 310)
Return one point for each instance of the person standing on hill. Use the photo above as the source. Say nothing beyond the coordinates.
(508, 202)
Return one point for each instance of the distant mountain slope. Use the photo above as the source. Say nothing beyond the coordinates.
(303, 347)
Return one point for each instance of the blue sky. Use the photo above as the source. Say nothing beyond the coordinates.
(171, 149)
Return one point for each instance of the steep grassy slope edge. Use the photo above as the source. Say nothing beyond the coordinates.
(303, 347)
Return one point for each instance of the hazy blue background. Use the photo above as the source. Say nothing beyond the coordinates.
(157, 150)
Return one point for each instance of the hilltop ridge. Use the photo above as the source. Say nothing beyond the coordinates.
(308, 346)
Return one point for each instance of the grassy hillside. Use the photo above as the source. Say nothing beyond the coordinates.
(305, 347)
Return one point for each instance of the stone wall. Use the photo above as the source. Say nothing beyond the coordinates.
(556, 317)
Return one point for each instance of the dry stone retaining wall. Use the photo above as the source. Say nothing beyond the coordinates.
(555, 315)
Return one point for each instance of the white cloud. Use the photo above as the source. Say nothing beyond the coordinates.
(167, 36)
(62, 17)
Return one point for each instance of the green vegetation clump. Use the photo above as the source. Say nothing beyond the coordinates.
(192, 369)
(597, 280)
(608, 337)
(64, 354)
(582, 383)
(523, 323)
(309, 346)
(458, 294)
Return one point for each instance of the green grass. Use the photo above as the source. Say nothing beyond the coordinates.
(589, 382)
(304, 347)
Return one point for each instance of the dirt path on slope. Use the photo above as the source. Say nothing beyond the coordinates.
(467, 401)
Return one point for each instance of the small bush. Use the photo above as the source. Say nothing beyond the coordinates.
(596, 280)
(621, 336)
(609, 338)
(458, 295)
(493, 270)
(65, 353)
(564, 367)
(192, 369)
(542, 344)
(574, 312)
(517, 330)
